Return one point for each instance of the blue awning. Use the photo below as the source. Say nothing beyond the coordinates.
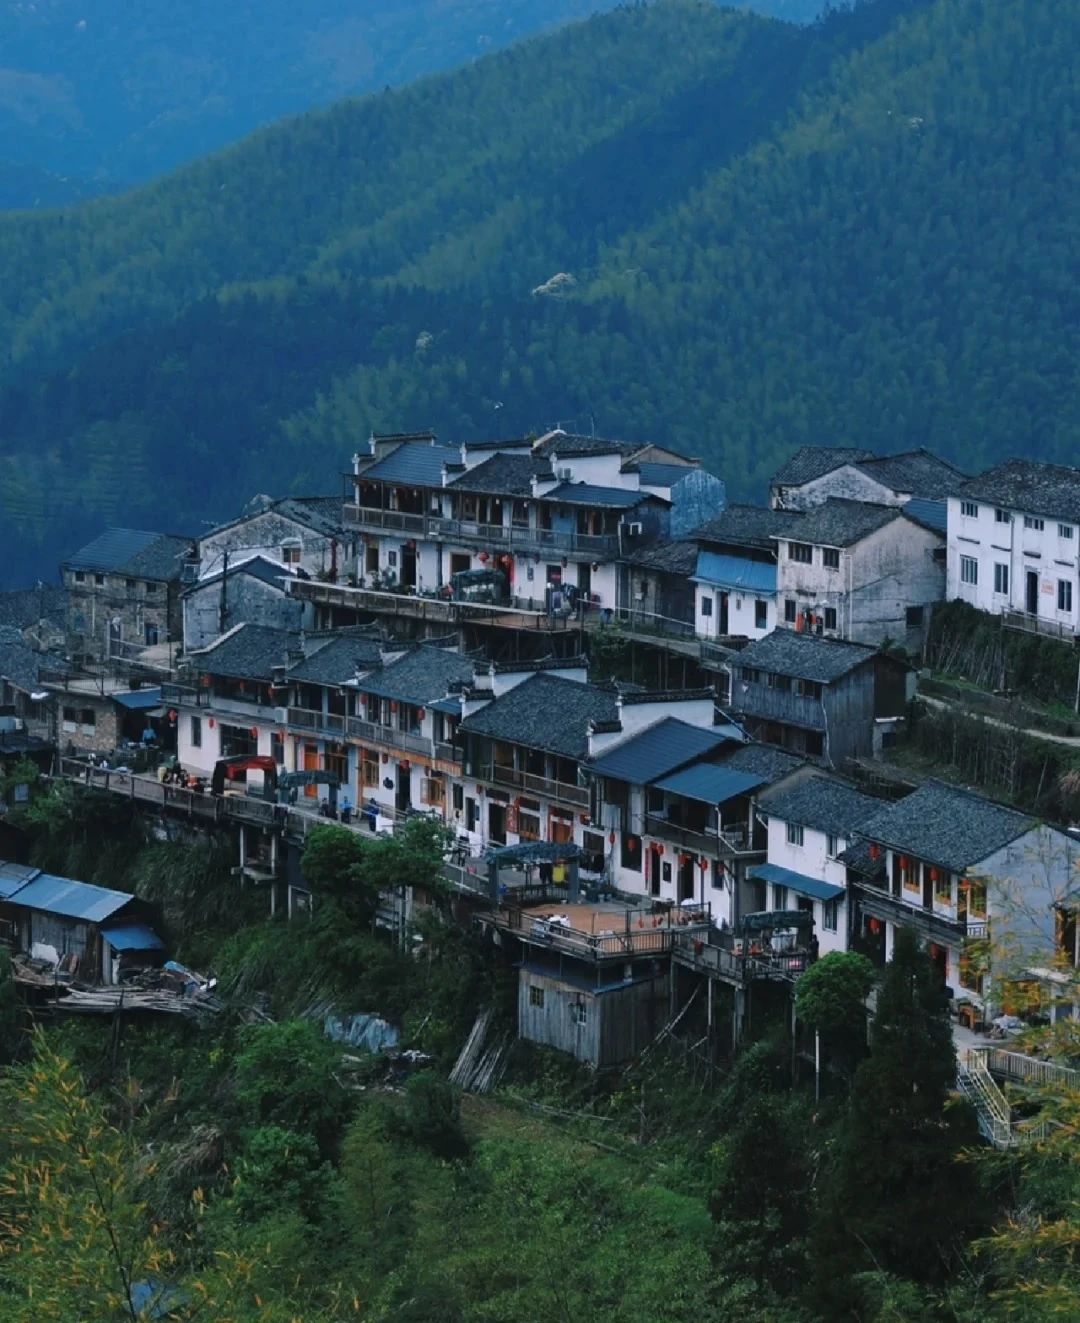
(71, 899)
(132, 937)
(737, 572)
(710, 784)
(138, 700)
(797, 882)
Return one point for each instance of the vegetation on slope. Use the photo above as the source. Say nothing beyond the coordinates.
(855, 232)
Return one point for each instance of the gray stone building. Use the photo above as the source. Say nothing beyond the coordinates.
(123, 593)
(301, 532)
(252, 592)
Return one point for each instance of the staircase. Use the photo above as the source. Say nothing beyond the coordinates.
(991, 1106)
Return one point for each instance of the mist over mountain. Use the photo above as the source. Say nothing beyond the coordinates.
(116, 91)
(859, 232)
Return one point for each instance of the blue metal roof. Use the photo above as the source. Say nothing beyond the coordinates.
(663, 475)
(659, 749)
(934, 514)
(74, 900)
(132, 937)
(709, 783)
(413, 461)
(750, 576)
(13, 877)
(138, 700)
(584, 493)
(797, 882)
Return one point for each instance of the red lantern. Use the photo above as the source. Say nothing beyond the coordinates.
(703, 864)
(405, 765)
(934, 875)
(631, 843)
(210, 723)
(420, 714)
(484, 557)
(904, 861)
(585, 818)
(875, 850)
(875, 926)
(254, 732)
(393, 706)
(611, 838)
(172, 714)
(205, 682)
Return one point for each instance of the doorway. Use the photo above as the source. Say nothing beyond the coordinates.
(654, 872)
(1031, 593)
(408, 565)
(584, 581)
(311, 764)
(403, 787)
(686, 877)
(723, 627)
(496, 823)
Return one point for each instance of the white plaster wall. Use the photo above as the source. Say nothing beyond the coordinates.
(813, 860)
(847, 482)
(741, 612)
(598, 470)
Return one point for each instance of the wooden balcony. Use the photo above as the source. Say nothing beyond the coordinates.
(733, 840)
(373, 732)
(436, 528)
(318, 723)
(532, 784)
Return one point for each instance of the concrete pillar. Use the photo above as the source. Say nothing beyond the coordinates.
(573, 883)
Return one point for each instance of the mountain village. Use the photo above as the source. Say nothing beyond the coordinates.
(695, 833)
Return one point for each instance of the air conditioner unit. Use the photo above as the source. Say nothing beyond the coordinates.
(634, 530)
(565, 475)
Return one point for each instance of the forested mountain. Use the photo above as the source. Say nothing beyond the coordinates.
(861, 231)
(126, 89)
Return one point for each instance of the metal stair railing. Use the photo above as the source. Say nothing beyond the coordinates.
(991, 1107)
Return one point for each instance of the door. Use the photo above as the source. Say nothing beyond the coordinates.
(584, 581)
(408, 565)
(724, 615)
(654, 872)
(496, 823)
(686, 878)
(311, 764)
(1031, 593)
(403, 787)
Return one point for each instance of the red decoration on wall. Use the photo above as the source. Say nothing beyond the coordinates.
(254, 732)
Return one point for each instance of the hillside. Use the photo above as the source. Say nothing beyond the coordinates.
(126, 91)
(857, 231)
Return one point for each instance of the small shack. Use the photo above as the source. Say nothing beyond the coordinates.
(87, 932)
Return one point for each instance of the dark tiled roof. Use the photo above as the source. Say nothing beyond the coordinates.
(257, 567)
(931, 514)
(420, 677)
(509, 475)
(133, 552)
(654, 474)
(657, 750)
(946, 825)
(249, 652)
(22, 608)
(413, 461)
(805, 656)
(765, 760)
(671, 557)
(584, 493)
(748, 526)
(337, 659)
(823, 803)
(858, 858)
(810, 462)
(546, 712)
(840, 523)
(570, 443)
(322, 514)
(920, 472)
(1027, 485)
(22, 666)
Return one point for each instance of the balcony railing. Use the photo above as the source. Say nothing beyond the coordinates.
(392, 520)
(324, 723)
(530, 782)
(184, 695)
(732, 840)
(372, 732)
(1029, 624)
(438, 528)
(884, 905)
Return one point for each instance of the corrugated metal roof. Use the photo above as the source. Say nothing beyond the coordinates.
(14, 876)
(584, 493)
(74, 900)
(659, 749)
(709, 783)
(137, 700)
(663, 475)
(797, 882)
(932, 514)
(132, 937)
(750, 576)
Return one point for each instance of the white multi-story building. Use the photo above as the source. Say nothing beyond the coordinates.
(1014, 544)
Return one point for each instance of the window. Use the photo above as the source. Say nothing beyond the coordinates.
(973, 967)
(706, 604)
(969, 509)
(1002, 517)
(830, 617)
(579, 1013)
(832, 846)
(80, 576)
(1065, 595)
(794, 833)
(536, 996)
(433, 791)
(761, 614)
(779, 898)
(790, 610)
(129, 584)
(942, 885)
(969, 569)
(751, 674)
(1065, 531)
(99, 580)
(290, 553)
(830, 910)
(976, 900)
(808, 689)
(196, 732)
(369, 768)
(830, 558)
(1001, 579)
(1031, 522)
(803, 552)
(151, 587)
(913, 617)
(528, 825)
(781, 682)
(630, 854)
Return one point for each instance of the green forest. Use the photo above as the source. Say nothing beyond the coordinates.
(245, 1168)
(859, 231)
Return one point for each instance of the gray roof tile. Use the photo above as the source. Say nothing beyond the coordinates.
(133, 552)
(805, 656)
(946, 825)
(249, 652)
(1029, 486)
(21, 666)
(23, 608)
(920, 472)
(670, 557)
(418, 462)
(840, 523)
(770, 762)
(338, 659)
(502, 474)
(584, 493)
(810, 462)
(546, 712)
(824, 803)
(748, 526)
(420, 677)
(660, 748)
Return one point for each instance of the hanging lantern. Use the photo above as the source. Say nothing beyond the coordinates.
(173, 714)
(386, 757)
(205, 681)
(631, 843)
(703, 863)
(904, 861)
(875, 850)
(254, 732)
(585, 819)
(934, 875)
(484, 557)
(874, 925)
(210, 723)
(421, 713)
(611, 838)
(393, 706)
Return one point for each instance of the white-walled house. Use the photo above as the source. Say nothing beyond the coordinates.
(810, 825)
(861, 572)
(990, 889)
(736, 573)
(302, 532)
(1014, 544)
(815, 473)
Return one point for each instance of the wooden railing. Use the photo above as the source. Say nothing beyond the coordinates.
(449, 529)
(535, 784)
(639, 933)
(326, 723)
